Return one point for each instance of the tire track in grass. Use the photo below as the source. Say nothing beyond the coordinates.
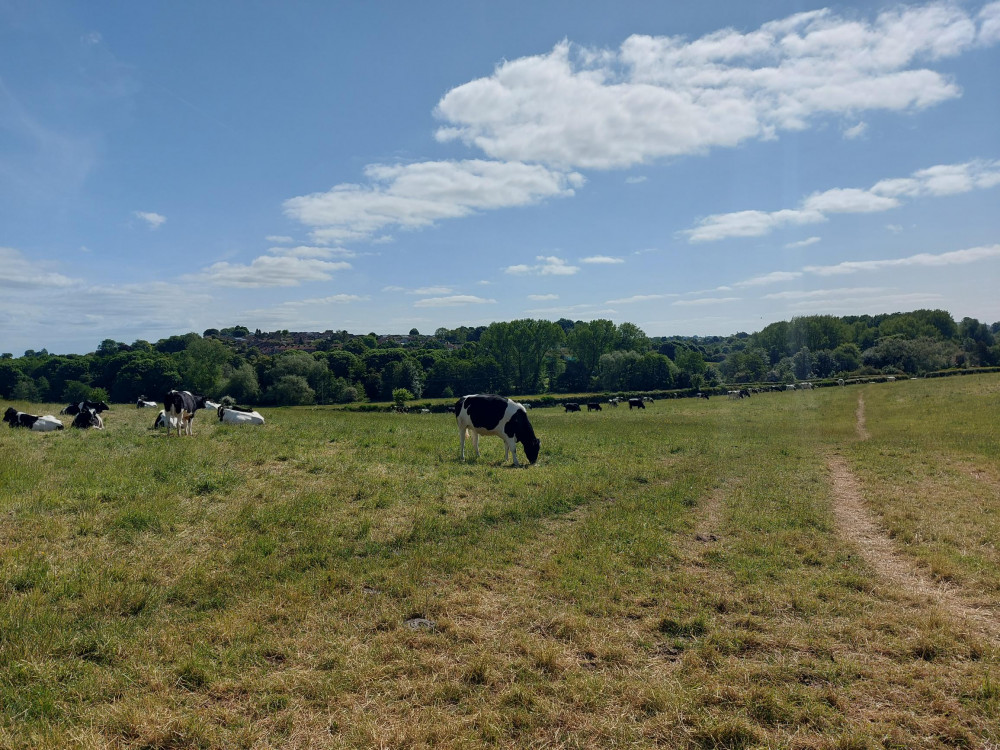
(857, 524)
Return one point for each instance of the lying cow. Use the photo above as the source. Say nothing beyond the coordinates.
(87, 418)
(182, 405)
(95, 406)
(237, 415)
(16, 418)
(487, 414)
(143, 403)
(161, 420)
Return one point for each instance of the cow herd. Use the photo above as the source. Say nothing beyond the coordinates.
(178, 411)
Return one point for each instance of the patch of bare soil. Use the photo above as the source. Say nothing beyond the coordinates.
(857, 525)
(860, 419)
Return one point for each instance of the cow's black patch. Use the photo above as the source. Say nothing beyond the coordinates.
(485, 410)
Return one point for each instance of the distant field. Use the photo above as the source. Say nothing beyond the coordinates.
(675, 577)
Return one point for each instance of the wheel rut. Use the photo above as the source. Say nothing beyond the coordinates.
(857, 524)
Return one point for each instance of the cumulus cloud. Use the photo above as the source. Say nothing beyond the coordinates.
(542, 297)
(279, 239)
(602, 260)
(455, 300)
(855, 131)
(940, 180)
(549, 265)
(154, 220)
(411, 196)
(663, 96)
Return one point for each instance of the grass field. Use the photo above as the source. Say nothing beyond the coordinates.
(674, 577)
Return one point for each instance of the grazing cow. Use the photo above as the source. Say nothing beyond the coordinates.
(744, 393)
(614, 401)
(699, 394)
(571, 406)
(87, 418)
(635, 403)
(236, 415)
(733, 395)
(790, 387)
(96, 406)
(16, 418)
(593, 406)
(840, 381)
(182, 404)
(487, 414)
(143, 403)
(805, 386)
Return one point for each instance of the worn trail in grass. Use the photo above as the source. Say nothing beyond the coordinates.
(668, 578)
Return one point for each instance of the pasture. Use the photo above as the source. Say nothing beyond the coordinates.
(673, 577)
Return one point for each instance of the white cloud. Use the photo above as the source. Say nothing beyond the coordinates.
(635, 180)
(430, 290)
(310, 251)
(940, 180)
(21, 273)
(580, 311)
(663, 96)
(549, 266)
(154, 220)
(455, 300)
(279, 239)
(542, 297)
(768, 278)
(855, 131)
(267, 271)
(602, 260)
(826, 293)
(706, 301)
(802, 243)
(411, 196)
(894, 228)
(638, 298)
(956, 257)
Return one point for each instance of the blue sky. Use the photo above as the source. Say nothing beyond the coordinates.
(694, 168)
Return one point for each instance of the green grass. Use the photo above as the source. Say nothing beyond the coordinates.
(250, 587)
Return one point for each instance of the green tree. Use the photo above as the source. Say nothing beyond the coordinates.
(589, 341)
(400, 396)
(290, 390)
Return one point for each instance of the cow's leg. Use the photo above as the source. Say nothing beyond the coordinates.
(461, 441)
(475, 442)
(511, 445)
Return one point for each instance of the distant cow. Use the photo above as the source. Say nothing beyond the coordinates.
(183, 405)
(744, 393)
(161, 420)
(144, 403)
(87, 418)
(487, 414)
(699, 394)
(236, 415)
(635, 403)
(840, 381)
(571, 406)
(805, 386)
(614, 401)
(593, 406)
(790, 387)
(16, 418)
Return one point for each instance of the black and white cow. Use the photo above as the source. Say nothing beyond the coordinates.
(16, 418)
(87, 418)
(239, 415)
(635, 403)
(144, 403)
(487, 414)
(183, 405)
(95, 406)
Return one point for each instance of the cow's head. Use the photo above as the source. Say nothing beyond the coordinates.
(10, 415)
(531, 449)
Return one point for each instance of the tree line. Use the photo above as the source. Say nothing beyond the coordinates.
(526, 356)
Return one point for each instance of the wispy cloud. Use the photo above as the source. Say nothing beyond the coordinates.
(705, 301)
(802, 243)
(956, 257)
(768, 278)
(638, 298)
(21, 273)
(941, 180)
(269, 271)
(602, 260)
(542, 297)
(455, 300)
(549, 265)
(154, 220)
